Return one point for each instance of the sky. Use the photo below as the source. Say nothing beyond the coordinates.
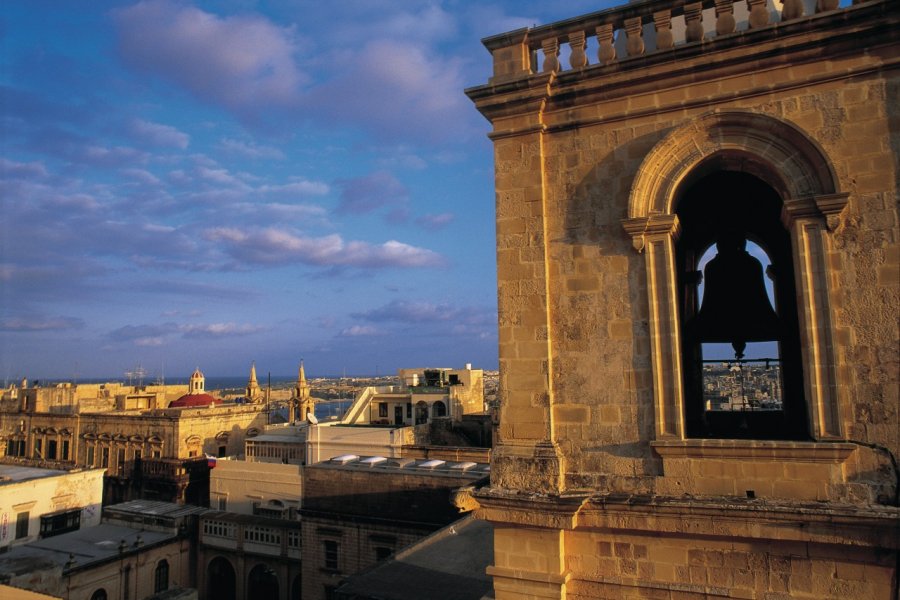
(209, 184)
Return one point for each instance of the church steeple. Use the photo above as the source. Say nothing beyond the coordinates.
(253, 392)
(301, 394)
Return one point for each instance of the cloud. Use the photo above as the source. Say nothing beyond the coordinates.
(219, 330)
(274, 246)
(21, 170)
(370, 192)
(250, 150)
(301, 187)
(245, 63)
(399, 90)
(39, 323)
(411, 312)
(157, 134)
(435, 221)
(157, 335)
(359, 331)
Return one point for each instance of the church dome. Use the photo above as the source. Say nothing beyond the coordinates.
(196, 395)
(194, 400)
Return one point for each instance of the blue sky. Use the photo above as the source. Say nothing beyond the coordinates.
(211, 183)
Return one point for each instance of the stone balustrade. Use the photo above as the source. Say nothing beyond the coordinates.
(636, 29)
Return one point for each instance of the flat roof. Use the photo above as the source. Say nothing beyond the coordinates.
(354, 462)
(153, 508)
(87, 545)
(19, 473)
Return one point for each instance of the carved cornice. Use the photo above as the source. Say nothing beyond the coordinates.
(827, 207)
(640, 228)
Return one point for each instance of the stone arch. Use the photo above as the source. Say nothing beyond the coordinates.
(220, 579)
(801, 173)
(773, 149)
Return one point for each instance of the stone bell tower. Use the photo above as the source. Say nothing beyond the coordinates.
(632, 460)
(302, 399)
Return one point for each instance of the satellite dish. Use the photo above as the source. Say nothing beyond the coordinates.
(312, 418)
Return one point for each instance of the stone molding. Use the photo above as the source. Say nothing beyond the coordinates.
(755, 449)
(801, 172)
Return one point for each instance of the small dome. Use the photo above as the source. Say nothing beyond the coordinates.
(194, 400)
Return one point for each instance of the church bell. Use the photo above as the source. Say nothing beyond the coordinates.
(735, 307)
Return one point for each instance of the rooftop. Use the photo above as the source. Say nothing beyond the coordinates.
(18, 474)
(353, 462)
(447, 565)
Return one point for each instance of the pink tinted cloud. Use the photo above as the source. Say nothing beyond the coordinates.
(371, 192)
(277, 246)
(242, 62)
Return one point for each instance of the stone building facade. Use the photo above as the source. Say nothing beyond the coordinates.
(148, 451)
(619, 161)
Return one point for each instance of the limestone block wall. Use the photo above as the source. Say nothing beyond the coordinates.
(576, 345)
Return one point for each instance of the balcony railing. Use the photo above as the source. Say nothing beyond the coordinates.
(637, 29)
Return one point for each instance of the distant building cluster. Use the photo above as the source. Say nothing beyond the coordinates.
(181, 493)
(746, 386)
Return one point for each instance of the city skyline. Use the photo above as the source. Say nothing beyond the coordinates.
(212, 183)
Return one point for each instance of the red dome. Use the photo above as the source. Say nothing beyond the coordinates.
(194, 400)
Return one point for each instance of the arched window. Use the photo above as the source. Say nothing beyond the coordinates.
(99, 594)
(439, 409)
(421, 412)
(161, 577)
(742, 371)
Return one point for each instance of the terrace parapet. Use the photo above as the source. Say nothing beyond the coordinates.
(641, 28)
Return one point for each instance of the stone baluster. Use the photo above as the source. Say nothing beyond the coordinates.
(824, 5)
(551, 55)
(759, 14)
(725, 22)
(791, 9)
(578, 43)
(693, 18)
(663, 22)
(606, 52)
(634, 30)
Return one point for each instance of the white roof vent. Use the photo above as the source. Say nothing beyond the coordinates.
(343, 459)
(432, 464)
(372, 460)
(463, 466)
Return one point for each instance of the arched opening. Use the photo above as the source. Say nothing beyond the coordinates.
(421, 412)
(161, 577)
(99, 594)
(740, 342)
(262, 583)
(296, 588)
(439, 409)
(220, 579)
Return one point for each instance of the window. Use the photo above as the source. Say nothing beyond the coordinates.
(382, 553)
(58, 523)
(90, 456)
(409, 410)
(38, 448)
(120, 461)
(51, 449)
(137, 454)
(104, 457)
(382, 409)
(222, 451)
(293, 538)
(223, 503)
(22, 525)
(99, 595)
(330, 549)
(156, 453)
(161, 577)
(65, 450)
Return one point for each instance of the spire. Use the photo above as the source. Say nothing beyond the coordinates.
(253, 384)
(301, 394)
